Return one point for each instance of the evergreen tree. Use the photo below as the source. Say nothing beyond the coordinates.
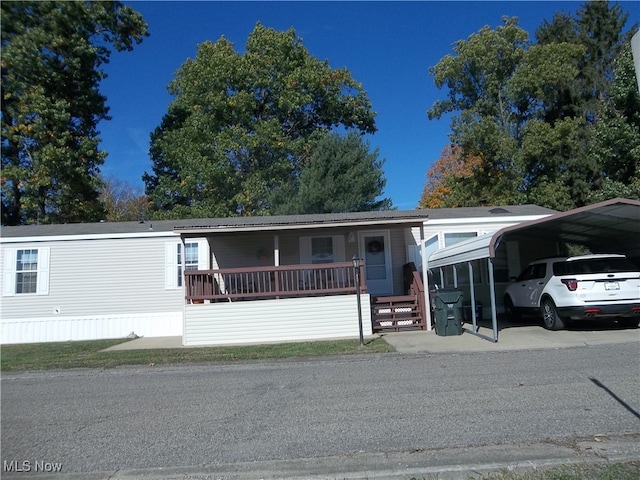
(341, 176)
(51, 58)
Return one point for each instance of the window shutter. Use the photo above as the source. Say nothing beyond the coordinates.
(171, 265)
(338, 248)
(9, 274)
(305, 250)
(42, 287)
(203, 255)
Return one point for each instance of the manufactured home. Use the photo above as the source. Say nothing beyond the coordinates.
(231, 280)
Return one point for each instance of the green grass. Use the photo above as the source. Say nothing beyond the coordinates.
(90, 354)
(582, 471)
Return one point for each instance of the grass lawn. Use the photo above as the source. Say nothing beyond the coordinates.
(90, 354)
(587, 471)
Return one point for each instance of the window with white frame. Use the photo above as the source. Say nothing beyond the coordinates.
(190, 259)
(180, 257)
(327, 249)
(322, 250)
(457, 237)
(26, 271)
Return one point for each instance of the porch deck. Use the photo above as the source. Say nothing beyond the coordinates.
(262, 283)
(314, 280)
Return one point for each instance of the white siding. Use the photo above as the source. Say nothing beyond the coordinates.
(111, 281)
(62, 329)
(263, 321)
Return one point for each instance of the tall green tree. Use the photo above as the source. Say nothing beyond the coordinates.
(342, 175)
(51, 57)
(614, 139)
(496, 82)
(242, 126)
(527, 110)
(598, 28)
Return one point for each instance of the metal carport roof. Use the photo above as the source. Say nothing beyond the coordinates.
(612, 226)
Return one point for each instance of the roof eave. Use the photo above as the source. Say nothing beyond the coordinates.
(204, 230)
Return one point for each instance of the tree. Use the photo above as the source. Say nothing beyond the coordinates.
(51, 58)
(122, 202)
(242, 126)
(615, 136)
(497, 83)
(527, 110)
(597, 27)
(448, 172)
(341, 176)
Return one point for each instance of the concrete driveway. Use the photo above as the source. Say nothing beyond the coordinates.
(520, 337)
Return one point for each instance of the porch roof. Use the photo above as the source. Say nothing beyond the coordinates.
(411, 218)
(198, 227)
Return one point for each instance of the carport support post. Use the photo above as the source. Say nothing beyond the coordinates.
(425, 279)
(492, 294)
(473, 298)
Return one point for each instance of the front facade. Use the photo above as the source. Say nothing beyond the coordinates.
(108, 280)
(105, 281)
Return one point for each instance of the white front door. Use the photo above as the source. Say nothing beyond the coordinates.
(375, 249)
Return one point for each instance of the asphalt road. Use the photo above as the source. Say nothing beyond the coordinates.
(139, 418)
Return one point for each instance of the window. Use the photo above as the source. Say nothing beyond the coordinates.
(537, 270)
(322, 250)
(26, 271)
(190, 259)
(190, 256)
(453, 238)
(314, 250)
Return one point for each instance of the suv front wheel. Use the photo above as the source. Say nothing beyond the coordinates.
(550, 317)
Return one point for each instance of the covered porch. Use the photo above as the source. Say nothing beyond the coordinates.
(292, 278)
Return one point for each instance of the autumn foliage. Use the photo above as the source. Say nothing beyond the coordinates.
(450, 167)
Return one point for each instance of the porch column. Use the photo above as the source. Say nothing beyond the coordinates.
(276, 251)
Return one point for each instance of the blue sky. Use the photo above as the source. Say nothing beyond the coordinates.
(387, 46)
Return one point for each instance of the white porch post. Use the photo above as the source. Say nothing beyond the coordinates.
(276, 250)
(425, 278)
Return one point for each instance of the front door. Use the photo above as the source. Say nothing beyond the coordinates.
(375, 249)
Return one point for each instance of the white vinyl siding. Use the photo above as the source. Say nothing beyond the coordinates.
(88, 277)
(289, 319)
(26, 271)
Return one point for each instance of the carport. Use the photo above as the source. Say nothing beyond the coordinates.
(612, 226)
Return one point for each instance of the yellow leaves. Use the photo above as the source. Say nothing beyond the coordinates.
(450, 165)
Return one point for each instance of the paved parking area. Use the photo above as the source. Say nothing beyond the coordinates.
(520, 337)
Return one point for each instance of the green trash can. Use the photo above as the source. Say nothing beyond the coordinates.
(448, 312)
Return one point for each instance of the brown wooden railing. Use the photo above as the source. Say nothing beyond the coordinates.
(404, 311)
(259, 283)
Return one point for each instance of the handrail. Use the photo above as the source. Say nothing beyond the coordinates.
(249, 283)
(417, 289)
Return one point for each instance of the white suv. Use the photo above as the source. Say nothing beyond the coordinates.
(577, 288)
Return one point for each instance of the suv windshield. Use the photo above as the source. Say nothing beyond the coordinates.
(593, 265)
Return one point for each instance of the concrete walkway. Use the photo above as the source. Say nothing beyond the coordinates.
(417, 341)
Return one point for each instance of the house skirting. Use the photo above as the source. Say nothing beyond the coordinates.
(96, 327)
(275, 320)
